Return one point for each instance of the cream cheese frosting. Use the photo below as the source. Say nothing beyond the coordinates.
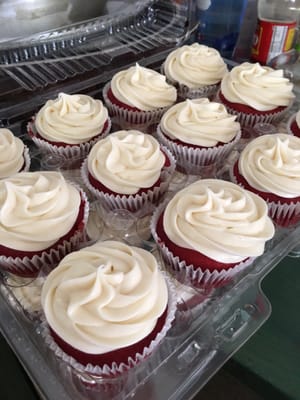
(195, 65)
(126, 161)
(105, 297)
(199, 122)
(36, 210)
(143, 88)
(257, 86)
(271, 163)
(71, 119)
(11, 153)
(218, 219)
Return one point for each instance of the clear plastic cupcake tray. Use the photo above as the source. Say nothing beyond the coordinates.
(210, 325)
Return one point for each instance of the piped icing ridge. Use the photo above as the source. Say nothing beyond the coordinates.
(105, 297)
(36, 210)
(126, 161)
(259, 87)
(11, 153)
(199, 122)
(195, 65)
(71, 119)
(143, 88)
(218, 219)
(271, 163)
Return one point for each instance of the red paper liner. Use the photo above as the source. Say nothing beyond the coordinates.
(292, 126)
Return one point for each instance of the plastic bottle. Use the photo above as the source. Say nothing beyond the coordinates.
(276, 28)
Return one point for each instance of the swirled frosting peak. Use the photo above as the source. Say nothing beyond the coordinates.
(105, 297)
(11, 153)
(36, 210)
(260, 87)
(271, 163)
(126, 161)
(71, 119)
(143, 88)
(199, 122)
(218, 219)
(195, 65)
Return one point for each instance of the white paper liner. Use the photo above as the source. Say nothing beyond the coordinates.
(252, 119)
(126, 119)
(115, 369)
(27, 159)
(290, 121)
(189, 158)
(30, 266)
(138, 202)
(193, 275)
(277, 211)
(69, 151)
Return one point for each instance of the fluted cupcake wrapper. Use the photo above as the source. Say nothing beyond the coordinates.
(27, 159)
(115, 369)
(69, 151)
(130, 119)
(249, 120)
(141, 203)
(189, 274)
(289, 123)
(30, 266)
(190, 158)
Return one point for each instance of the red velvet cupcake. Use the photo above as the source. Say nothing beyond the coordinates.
(128, 170)
(198, 133)
(137, 98)
(107, 308)
(42, 218)
(293, 124)
(270, 167)
(69, 125)
(210, 231)
(256, 94)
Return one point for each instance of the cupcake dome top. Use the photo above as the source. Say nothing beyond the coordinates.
(143, 88)
(126, 161)
(36, 210)
(256, 86)
(71, 119)
(11, 153)
(105, 297)
(199, 122)
(218, 219)
(271, 163)
(195, 65)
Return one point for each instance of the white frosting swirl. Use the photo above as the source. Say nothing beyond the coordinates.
(36, 210)
(126, 161)
(256, 86)
(11, 153)
(298, 119)
(271, 163)
(195, 65)
(71, 119)
(218, 219)
(199, 122)
(143, 88)
(105, 297)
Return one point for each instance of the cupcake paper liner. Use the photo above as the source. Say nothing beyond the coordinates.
(189, 274)
(251, 119)
(141, 203)
(189, 158)
(289, 123)
(115, 369)
(30, 266)
(69, 151)
(27, 159)
(126, 119)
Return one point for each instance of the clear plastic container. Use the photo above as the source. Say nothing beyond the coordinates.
(210, 325)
